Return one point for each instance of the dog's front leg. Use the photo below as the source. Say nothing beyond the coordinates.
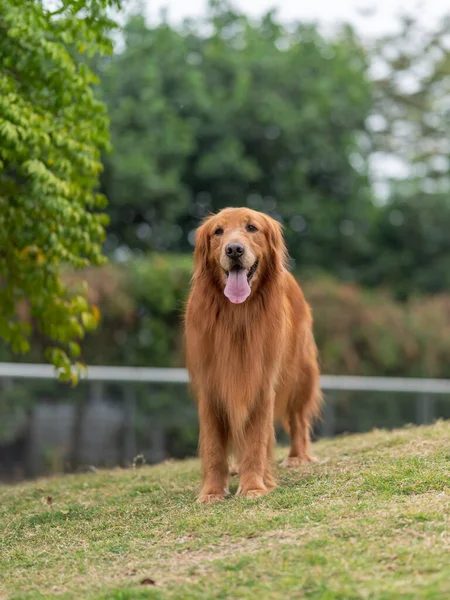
(256, 448)
(213, 452)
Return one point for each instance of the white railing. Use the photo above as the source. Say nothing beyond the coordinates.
(97, 377)
(160, 375)
(425, 389)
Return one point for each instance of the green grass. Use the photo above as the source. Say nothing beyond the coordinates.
(369, 521)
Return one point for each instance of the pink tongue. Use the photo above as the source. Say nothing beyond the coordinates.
(237, 289)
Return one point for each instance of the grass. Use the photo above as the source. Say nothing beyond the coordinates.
(370, 521)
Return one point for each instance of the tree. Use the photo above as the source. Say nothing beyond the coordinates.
(412, 242)
(52, 130)
(411, 73)
(236, 112)
(410, 129)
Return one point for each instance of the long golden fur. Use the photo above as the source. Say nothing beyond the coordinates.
(253, 362)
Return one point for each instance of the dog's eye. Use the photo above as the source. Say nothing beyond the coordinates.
(251, 228)
(218, 231)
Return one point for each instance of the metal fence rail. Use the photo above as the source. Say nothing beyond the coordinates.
(157, 375)
(98, 376)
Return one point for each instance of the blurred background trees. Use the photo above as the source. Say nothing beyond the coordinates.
(410, 132)
(247, 114)
(346, 143)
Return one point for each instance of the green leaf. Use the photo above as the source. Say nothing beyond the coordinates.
(53, 129)
(89, 321)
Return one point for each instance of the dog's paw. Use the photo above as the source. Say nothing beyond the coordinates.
(294, 462)
(210, 498)
(252, 492)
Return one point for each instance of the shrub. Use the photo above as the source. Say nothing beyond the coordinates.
(358, 331)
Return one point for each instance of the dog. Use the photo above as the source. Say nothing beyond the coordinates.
(250, 352)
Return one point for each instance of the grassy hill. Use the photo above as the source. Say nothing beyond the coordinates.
(370, 520)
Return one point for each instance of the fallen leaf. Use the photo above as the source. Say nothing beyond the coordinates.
(49, 500)
(148, 581)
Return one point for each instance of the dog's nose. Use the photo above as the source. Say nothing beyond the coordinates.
(235, 250)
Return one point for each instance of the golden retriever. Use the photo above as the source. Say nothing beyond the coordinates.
(250, 352)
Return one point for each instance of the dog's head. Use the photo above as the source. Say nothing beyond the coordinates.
(239, 249)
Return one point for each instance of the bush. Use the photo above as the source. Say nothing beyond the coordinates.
(358, 331)
(141, 304)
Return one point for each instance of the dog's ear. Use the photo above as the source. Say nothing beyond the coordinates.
(277, 245)
(201, 251)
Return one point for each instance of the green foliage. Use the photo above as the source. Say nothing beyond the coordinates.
(363, 332)
(411, 235)
(52, 129)
(141, 305)
(411, 81)
(410, 130)
(237, 112)
(366, 332)
(159, 285)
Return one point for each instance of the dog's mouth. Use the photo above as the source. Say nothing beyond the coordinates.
(237, 289)
(250, 271)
